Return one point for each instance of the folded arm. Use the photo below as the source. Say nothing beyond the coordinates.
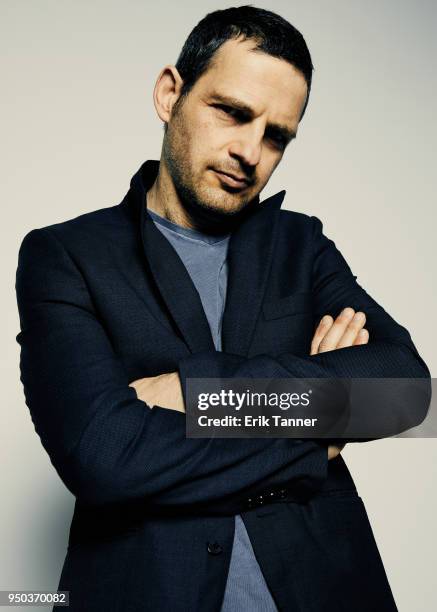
(348, 329)
(106, 445)
(389, 354)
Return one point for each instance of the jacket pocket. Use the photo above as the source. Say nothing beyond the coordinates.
(340, 511)
(296, 303)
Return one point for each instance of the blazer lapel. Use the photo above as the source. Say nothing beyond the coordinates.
(176, 287)
(249, 258)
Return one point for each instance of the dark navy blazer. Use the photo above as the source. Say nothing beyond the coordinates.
(104, 300)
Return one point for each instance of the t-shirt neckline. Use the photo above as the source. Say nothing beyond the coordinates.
(188, 231)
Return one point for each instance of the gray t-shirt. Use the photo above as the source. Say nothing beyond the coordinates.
(205, 258)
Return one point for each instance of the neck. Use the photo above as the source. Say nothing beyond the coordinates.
(163, 199)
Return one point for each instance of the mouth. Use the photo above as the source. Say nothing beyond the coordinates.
(232, 180)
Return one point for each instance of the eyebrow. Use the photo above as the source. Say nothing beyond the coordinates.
(273, 128)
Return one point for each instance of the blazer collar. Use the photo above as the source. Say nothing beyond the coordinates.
(249, 259)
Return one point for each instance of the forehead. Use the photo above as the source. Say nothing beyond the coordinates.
(267, 84)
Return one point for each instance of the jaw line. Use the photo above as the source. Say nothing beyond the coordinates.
(217, 222)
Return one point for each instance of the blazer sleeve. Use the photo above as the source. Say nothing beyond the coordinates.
(107, 445)
(390, 352)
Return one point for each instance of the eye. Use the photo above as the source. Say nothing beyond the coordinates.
(277, 138)
(235, 113)
(278, 141)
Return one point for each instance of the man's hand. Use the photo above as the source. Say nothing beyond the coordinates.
(163, 390)
(346, 330)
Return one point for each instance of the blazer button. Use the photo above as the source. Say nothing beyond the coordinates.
(214, 548)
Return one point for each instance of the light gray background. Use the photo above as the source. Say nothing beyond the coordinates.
(78, 121)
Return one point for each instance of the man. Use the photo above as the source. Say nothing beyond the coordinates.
(191, 276)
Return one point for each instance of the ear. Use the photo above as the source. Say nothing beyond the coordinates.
(167, 90)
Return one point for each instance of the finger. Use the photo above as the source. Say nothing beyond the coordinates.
(352, 330)
(362, 337)
(320, 332)
(335, 449)
(331, 339)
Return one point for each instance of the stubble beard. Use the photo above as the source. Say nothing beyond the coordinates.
(208, 207)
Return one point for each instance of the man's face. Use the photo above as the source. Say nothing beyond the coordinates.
(226, 138)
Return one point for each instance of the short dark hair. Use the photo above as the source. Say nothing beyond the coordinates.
(272, 33)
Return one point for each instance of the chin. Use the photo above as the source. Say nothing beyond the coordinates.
(226, 204)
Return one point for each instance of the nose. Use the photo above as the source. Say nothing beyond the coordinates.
(247, 146)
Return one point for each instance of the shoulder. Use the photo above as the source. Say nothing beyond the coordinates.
(303, 222)
(85, 230)
(107, 217)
